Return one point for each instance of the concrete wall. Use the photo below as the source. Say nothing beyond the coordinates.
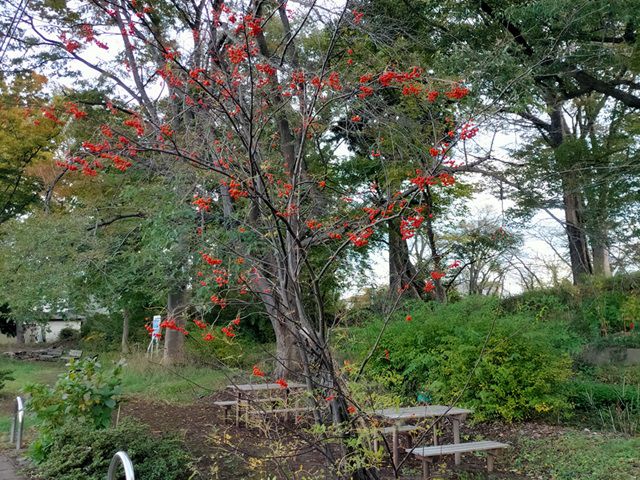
(35, 333)
(624, 356)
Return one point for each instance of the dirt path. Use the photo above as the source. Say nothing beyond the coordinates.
(7, 470)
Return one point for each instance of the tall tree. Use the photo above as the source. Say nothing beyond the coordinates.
(27, 140)
(531, 60)
(252, 90)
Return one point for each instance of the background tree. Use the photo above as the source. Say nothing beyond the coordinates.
(27, 140)
(532, 62)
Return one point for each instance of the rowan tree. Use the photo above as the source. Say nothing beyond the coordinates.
(247, 93)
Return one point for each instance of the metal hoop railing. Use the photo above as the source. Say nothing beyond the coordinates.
(126, 464)
(17, 424)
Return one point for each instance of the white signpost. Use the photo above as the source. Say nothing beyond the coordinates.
(154, 344)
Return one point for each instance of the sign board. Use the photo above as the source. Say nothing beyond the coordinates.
(156, 325)
(155, 335)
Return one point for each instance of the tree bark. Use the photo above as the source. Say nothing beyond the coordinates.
(578, 249)
(173, 353)
(288, 360)
(125, 331)
(19, 332)
(402, 273)
(439, 292)
(601, 262)
(573, 203)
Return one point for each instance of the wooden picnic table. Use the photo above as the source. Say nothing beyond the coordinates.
(400, 415)
(244, 392)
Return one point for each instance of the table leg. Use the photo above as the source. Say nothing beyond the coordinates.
(435, 433)
(286, 404)
(426, 474)
(246, 411)
(490, 458)
(238, 400)
(456, 438)
(395, 446)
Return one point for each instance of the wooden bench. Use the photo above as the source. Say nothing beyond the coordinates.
(426, 454)
(73, 355)
(51, 354)
(393, 429)
(285, 411)
(227, 405)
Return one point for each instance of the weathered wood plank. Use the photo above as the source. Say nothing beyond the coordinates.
(456, 448)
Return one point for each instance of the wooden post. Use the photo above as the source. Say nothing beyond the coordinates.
(238, 400)
(395, 445)
(435, 433)
(456, 438)
(426, 475)
(490, 458)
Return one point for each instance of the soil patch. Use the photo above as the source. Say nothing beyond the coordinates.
(276, 449)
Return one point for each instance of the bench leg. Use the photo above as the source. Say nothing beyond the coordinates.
(426, 474)
(490, 458)
(375, 444)
(435, 434)
(238, 408)
(396, 455)
(456, 438)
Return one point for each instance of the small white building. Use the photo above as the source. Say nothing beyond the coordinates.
(44, 332)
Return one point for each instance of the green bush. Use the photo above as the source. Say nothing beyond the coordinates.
(600, 306)
(238, 352)
(629, 340)
(590, 394)
(68, 333)
(5, 376)
(85, 394)
(610, 396)
(79, 452)
(503, 365)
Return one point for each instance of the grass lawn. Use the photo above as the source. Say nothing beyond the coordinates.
(581, 455)
(24, 373)
(149, 379)
(141, 378)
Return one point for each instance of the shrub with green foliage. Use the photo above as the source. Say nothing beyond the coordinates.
(237, 352)
(586, 394)
(68, 333)
(79, 452)
(5, 375)
(503, 365)
(86, 394)
(599, 307)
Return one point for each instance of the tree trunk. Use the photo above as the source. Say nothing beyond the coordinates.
(440, 292)
(288, 360)
(473, 280)
(578, 250)
(173, 340)
(125, 331)
(573, 203)
(402, 273)
(601, 263)
(19, 332)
